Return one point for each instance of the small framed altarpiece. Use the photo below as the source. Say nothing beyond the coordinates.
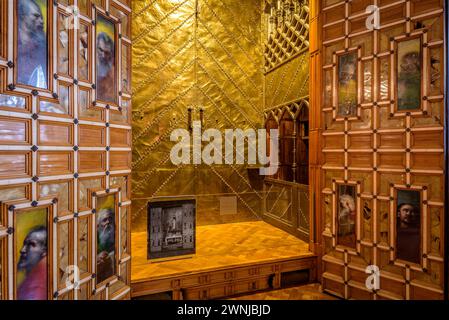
(171, 231)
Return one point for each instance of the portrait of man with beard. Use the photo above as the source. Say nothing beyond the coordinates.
(33, 263)
(106, 240)
(408, 229)
(106, 71)
(31, 43)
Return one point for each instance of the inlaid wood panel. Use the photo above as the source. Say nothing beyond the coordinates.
(92, 136)
(386, 153)
(15, 131)
(92, 161)
(120, 160)
(15, 164)
(119, 137)
(18, 192)
(55, 133)
(56, 138)
(52, 163)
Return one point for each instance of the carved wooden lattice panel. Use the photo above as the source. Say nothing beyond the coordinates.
(287, 22)
(65, 134)
(383, 148)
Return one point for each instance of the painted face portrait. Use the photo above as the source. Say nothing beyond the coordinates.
(33, 250)
(33, 261)
(347, 72)
(410, 63)
(347, 203)
(106, 230)
(32, 44)
(408, 229)
(406, 215)
(105, 67)
(105, 239)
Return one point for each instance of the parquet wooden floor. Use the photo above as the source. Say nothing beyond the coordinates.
(219, 247)
(307, 292)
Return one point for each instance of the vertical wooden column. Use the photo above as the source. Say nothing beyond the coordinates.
(315, 130)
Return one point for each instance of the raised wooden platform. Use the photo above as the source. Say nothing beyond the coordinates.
(231, 259)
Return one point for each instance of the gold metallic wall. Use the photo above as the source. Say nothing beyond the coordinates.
(288, 82)
(204, 54)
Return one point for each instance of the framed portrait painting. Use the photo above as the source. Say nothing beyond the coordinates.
(409, 74)
(32, 29)
(106, 226)
(347, 85)
(346, 215)
(408, 225)
(33, 250)
(106, 59)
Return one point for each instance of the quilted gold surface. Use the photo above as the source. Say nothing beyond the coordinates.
(204, 54)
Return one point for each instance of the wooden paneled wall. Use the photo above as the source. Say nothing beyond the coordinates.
(61, 144)
(379, 149)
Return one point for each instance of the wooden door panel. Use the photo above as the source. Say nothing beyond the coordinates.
(56, 137)
(384, 154)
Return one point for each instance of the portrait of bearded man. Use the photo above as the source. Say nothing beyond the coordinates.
(105, 244)
(408, 239)
(33, 262)
(31, 45)
(105, 68)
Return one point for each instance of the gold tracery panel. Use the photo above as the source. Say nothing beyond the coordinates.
(59, 142)
(391, 148)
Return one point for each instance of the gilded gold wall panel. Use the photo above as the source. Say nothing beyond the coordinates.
(203, 55)
(289, 82)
